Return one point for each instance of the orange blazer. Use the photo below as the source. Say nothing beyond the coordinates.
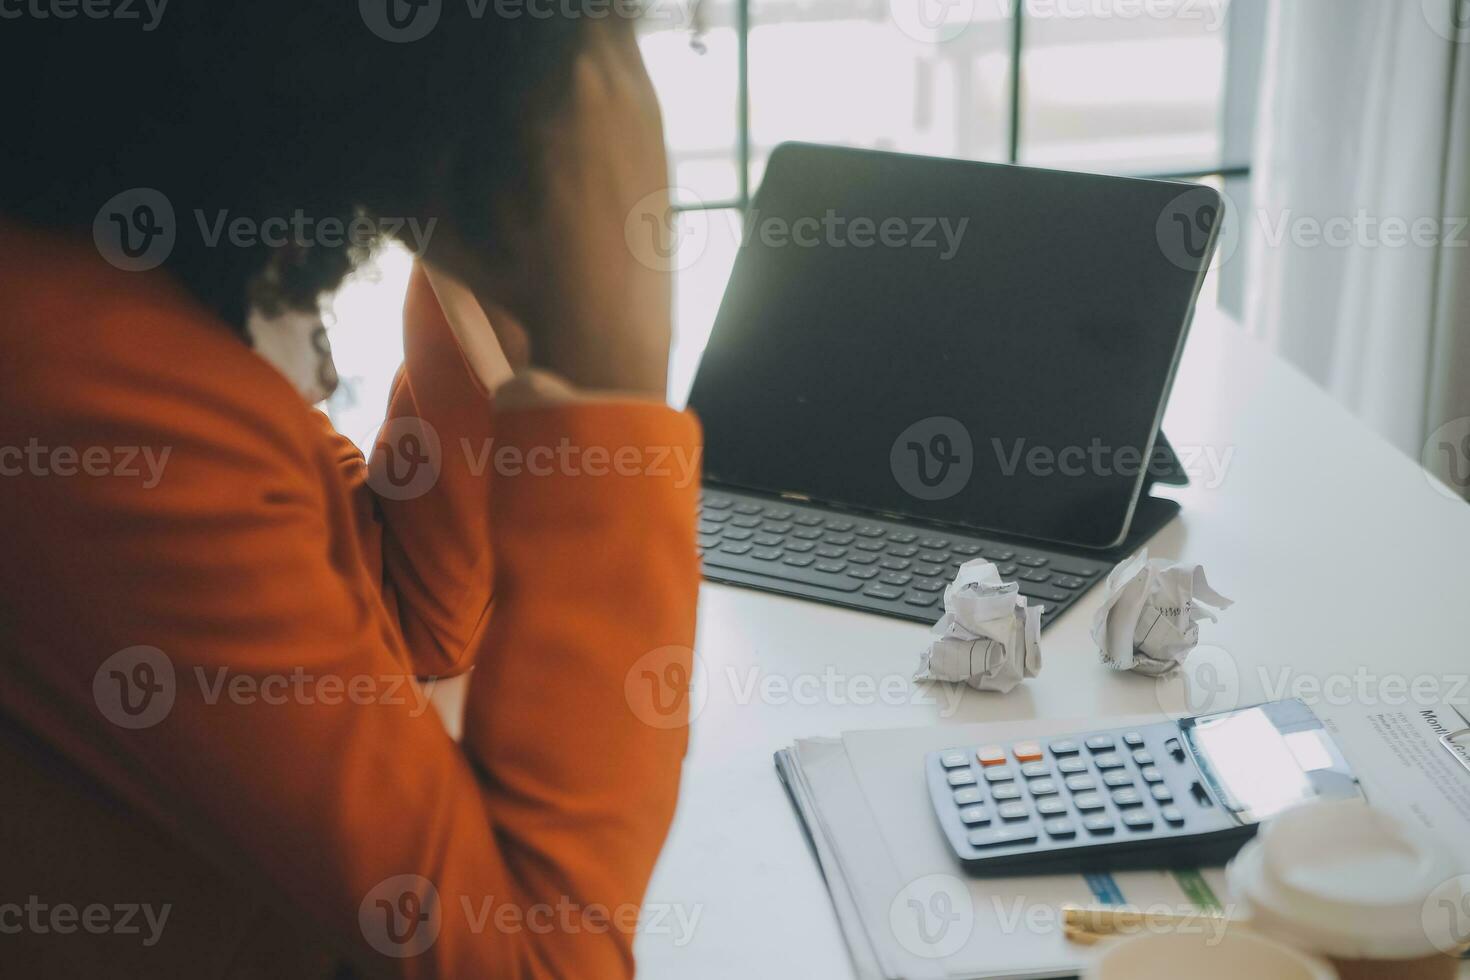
(215, 760)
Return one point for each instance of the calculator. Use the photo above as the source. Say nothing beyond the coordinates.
(1176, 794)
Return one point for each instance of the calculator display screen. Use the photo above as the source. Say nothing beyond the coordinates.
(1259, 765)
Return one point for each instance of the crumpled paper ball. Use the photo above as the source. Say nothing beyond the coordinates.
(988, 637)
(1149, 620)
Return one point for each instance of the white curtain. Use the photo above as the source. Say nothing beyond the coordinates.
(1359, 227)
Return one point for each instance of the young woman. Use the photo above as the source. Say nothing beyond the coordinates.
(215, 760)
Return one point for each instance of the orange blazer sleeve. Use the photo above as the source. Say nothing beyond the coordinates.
(212, 646)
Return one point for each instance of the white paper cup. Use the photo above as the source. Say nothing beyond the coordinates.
(1196, 955)
(1347, 882)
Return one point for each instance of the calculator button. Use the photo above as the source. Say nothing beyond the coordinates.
(991, 755)
(1051, 806)
(998, 774)
(1000, 836)
(1115, 778)
(961, 777)
(1109, 760)
(968, 795)
(974, 816)
(1073, 764)
(1088, 801)
(1151, 774)
(954, 758)
(1142, 757)
(1064, 747)
(1133, 739)
(1042, 787)
(1080, 784)
(1035, 770)
(1161, 792)
(1100, 743)
(1139, 819)
(1013, 811)
(1099, 824)
(1026, 751)
(1172, 814)
(1006, 791)
(1127, 797)
(1060, 827)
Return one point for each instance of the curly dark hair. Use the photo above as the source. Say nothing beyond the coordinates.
(273, 108)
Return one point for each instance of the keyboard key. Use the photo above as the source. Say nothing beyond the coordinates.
(1127, 797)
(800, 547)
(1051, 806)
(735, 547)
(1031, 561)
(768, 540)
(807, 533)
(712, 502)
(738, 534)
(863, 574)
(808, 520)
(999, 554)
(1006, 791)
(862, 558)
(895, 564)
(968, 550)
(705, 528)
(778, 527)
(954, 758)
(882, 592)
(895, 578)
(746, 507)
(1075, 568)
(708, 540)
(798, 561)
(713, 517)
(1026, 751)
(767, 554)
(1003, 836)
(1042, 787)
(998, 774)
(1133, 740)
(1060, 827)
(934, 557)
(869, 530)
(1067, 582)
(1109, 760)
(839, 540)
(779, 513)
(830, 551)
(1079, 784)
(1035, 770)
(1064, 747)
(929, 585)
(928, 571)
(1086, 801)
(1138, 819)
(921, 599)
(1151, 774)
(830, 567)
(933, 543)
(991, 755)
(902, 537)
(1013, 811)
(968, 795)
(1042, 593)
(1072, 764)
(1099, 824)
(902, 551)
(1173, 815)
(1161, 792)
(1142, 757)
(961, 777)
(746, 522)
(781, 570)
(974, 816)
(1035, 576)
(1116, 778)
(867, 544)
(838, 524)
(1006, 571)
(1101, 743)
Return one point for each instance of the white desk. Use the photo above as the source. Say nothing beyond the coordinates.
(1317, 527)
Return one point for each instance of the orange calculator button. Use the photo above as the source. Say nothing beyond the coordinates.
(991, 755)
(1027, 751)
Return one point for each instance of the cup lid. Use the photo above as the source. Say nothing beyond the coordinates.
(1341, 878)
